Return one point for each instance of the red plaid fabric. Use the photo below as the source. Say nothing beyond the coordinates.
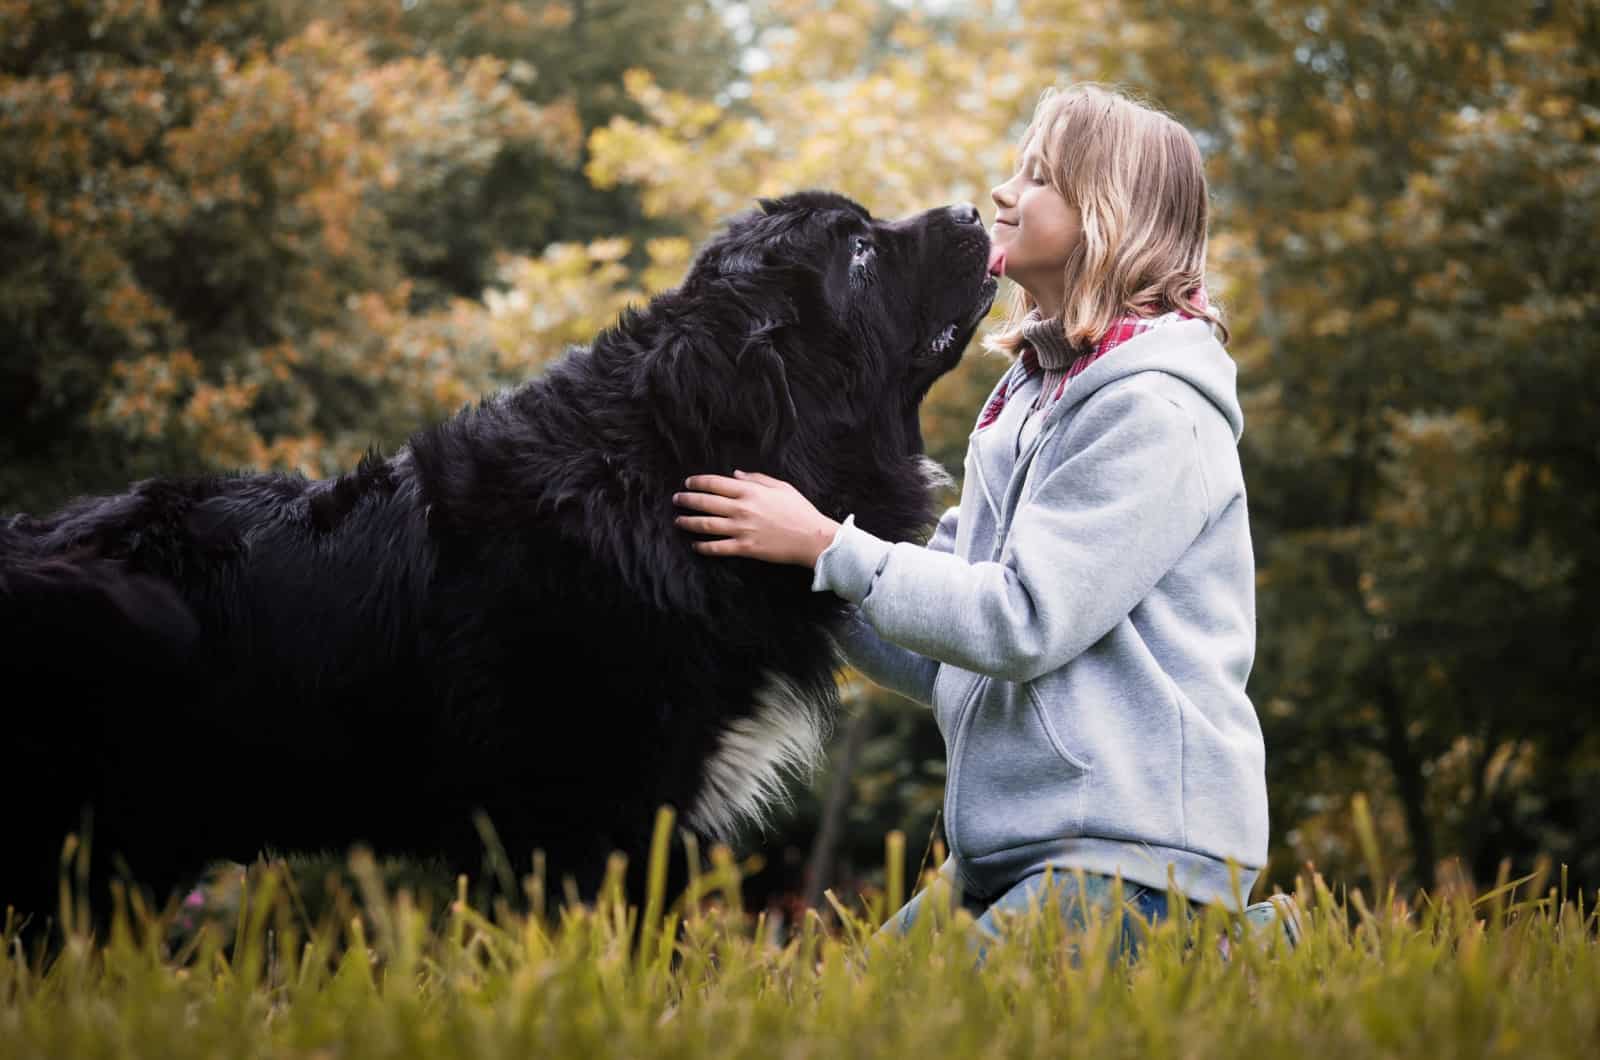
(1027, 363)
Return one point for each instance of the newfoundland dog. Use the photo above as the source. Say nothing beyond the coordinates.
(500, 617)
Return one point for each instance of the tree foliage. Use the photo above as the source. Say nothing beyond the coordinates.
(1416, 184)
(233, 228)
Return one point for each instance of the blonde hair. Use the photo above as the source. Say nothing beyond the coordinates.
(1136, 178)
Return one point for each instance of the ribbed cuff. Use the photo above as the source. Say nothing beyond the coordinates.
(848, 565)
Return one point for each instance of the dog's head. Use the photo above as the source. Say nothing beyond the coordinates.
(853, 316)
(816, 331)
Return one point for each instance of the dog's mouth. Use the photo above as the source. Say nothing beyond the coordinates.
(958, 332)
(941, 354)
(962, 328)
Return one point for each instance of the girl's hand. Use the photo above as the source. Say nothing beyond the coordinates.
(756, 516)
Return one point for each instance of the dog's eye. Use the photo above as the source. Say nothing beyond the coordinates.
(860, 261)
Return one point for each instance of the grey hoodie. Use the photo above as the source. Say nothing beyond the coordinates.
(1083, 625)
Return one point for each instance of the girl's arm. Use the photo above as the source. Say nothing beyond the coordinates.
(767, 519)
(1102, 528)
(884, 662)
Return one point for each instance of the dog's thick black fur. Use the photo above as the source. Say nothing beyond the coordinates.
(501, 616)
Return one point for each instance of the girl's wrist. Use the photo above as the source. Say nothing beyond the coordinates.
(827, 529)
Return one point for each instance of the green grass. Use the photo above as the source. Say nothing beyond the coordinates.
(1511, 972)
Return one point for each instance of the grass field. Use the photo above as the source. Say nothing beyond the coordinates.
(1514, 972)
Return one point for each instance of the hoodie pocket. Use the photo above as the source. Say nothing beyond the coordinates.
(1012, 782)
(1046, 705)
(951, 687)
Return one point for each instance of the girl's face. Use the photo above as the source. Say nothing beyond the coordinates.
(1035, 230)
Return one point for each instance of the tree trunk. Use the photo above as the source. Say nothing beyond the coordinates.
(819, 866)
(1408, 778)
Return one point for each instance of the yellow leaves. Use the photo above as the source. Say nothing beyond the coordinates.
(1309, 149)
(1555, 107)
(1552, 40)
(448, 391)
(144, 393)
(219, 402)
(1371, 599)
(572, 291)
(308, 454)
(554, 16)
(564, 297)
(669, 260)
(1514, 478)
(1378, 313)
(558, 128)
(1446, 283)
(607, 249)
(333, 207)
(128, 309)
(159, 375)
(823, 113)
(640, 84)
(1334, 321)
(911, 35)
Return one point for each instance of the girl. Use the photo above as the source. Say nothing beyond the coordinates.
(1084, 622)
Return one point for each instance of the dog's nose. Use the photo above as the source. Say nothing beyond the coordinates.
(966, 213)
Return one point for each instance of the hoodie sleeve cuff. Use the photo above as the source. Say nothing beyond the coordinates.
(848, 565)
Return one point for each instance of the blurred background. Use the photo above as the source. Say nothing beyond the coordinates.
(270, 234)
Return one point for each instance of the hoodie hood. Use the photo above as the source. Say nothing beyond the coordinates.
(1186, 349)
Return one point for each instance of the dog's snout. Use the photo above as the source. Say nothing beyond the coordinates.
(966, 213)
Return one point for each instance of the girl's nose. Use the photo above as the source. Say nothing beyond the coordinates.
(995, 194)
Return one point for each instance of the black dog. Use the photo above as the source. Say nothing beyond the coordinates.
(501, 617)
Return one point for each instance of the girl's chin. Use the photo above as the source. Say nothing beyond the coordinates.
(1022, 281)
(1017, 272)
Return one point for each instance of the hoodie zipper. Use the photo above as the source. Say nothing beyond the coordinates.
(951, 781)
(960, 725)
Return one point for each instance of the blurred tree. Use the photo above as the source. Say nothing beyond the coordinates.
(567, 57)
(239, 232)
(1415, 189)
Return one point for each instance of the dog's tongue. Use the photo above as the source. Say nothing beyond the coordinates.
(997, 261)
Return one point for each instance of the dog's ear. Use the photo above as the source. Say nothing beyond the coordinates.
(706, 389)
(763, 378)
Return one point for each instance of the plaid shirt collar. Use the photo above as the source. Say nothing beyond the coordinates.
(1027, 363)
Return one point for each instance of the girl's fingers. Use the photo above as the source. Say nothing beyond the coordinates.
(705, 502)
(722, 484)
(707, 524)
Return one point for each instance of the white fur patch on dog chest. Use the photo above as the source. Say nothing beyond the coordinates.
(747, 775)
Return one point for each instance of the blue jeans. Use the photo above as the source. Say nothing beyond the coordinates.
(1076, 892)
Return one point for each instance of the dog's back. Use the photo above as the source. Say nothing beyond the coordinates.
(193, 658)
(78, 631)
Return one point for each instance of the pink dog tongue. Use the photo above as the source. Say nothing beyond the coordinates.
(997, 261)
